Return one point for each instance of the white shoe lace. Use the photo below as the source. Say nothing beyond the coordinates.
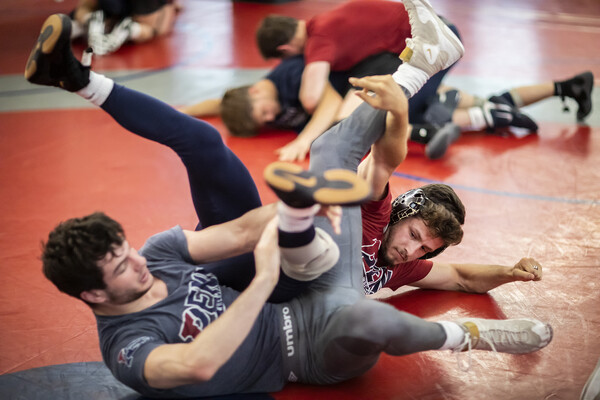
(466, 346)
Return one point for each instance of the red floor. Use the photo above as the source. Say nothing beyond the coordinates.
(536, 197)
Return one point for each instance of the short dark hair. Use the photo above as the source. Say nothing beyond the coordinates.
(443, 215)
(70, 256)
(236, 112)
(273, 31)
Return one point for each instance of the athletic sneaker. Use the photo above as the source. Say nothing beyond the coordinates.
(433, 46)
(579, 88)
(301, 189)
(591, 390)
(51, 61)
(515, 336)
(119, 35)
(500, 115)
(441, 140)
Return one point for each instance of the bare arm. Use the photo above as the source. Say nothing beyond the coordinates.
(231, 238)
(479, 278)
(206, 108)
(322, 119)
(390, 150)
(314, 79)
(173, 365)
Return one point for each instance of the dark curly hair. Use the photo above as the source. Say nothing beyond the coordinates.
(70, 256)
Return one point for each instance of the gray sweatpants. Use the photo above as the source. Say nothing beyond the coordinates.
(333, 333)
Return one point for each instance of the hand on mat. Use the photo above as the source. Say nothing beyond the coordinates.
(296, 150)
(527, 269)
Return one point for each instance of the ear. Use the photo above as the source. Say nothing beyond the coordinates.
(287, 49)
(94, 296)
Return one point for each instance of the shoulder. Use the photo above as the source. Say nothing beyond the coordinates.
(169, 243)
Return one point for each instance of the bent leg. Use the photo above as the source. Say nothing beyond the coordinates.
(356, 335)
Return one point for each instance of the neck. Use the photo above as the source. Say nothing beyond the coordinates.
(156, 293)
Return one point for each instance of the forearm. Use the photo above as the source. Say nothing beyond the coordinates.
(231, 238)
(478, 278)
(324, 115)
(206, 108)
(174, 365)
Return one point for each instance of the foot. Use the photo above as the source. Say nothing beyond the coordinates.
(299, 188)
(443, 138)
(515, 336)
(591, 390)
(433, 46)
(51, 62)
(579, 88)
(501, 115)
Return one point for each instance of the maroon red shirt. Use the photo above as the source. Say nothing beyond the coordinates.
(375, 217)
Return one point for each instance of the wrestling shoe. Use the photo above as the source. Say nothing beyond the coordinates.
(501, 115)
(578, 88)
(51, 62)
(441, 140)
(591, 390)
(301, 189)
(514, 336)
(433, 46)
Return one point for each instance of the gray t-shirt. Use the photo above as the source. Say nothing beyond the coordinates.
(195, 300)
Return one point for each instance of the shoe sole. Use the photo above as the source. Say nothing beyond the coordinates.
(454, 49)
(50, 33)
(438, 146)
(334, 187)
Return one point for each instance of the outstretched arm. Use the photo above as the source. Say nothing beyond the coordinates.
(390, 150)
(206, 108)
(479, 278)
(321, 120)
(178, 364)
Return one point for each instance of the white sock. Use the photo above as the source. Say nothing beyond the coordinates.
(135, 30)
(98, 89)
(77, 29)
(455, 335)
(476, 118)
(410, 78)
(296, 219)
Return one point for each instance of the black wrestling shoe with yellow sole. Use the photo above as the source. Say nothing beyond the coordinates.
(300, 189)
(51, 62)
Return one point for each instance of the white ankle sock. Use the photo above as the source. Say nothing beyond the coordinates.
(98, 89)
(476, 118)
(455, 335)
(410, 78)
(296, 219)
(135, 31)
(77, 29)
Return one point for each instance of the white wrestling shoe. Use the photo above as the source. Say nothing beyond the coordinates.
(433, 47)
(514, 336)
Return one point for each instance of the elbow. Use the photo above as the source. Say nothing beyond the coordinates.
(204, 374)
(309, 103)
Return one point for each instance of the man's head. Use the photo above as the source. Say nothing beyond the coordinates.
(279, 36)
(90, 259)
(244, 110)
(422, 224)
